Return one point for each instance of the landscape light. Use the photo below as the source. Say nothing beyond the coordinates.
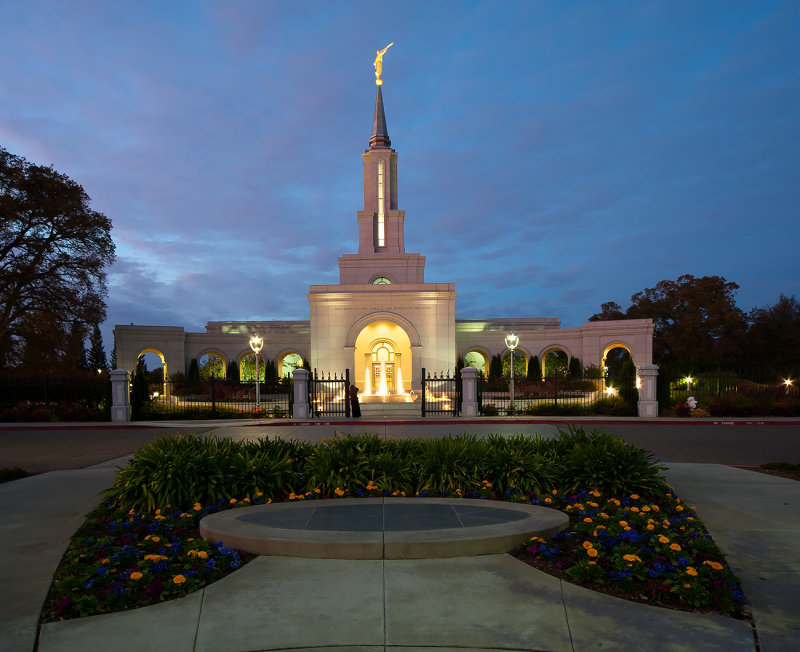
(256, 343)
(512, 340)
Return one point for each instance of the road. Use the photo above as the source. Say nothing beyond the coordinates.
(45, 447)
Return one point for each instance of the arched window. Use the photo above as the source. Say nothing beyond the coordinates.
(381, 280)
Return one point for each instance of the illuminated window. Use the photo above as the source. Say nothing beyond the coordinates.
(381, 280)
(381, 233)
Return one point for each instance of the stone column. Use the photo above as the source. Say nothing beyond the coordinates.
(300, 409)
(120, 395)
(648, 375)
(469, 392)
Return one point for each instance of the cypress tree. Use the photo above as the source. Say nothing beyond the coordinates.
(534, 368)
(141, 389)
(496, 367)
(575, 369)
(97, 353)
(194, 372)
(232, 373)
(270, 370)
(627, 384)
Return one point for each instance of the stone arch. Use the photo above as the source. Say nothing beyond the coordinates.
(249, 375)
(283, 358)
(383, 359)
(216, 353)
(366, 320)
(381, 278)
(611, 368)
(521, 357)
(155, 351)
(484, 356)
(563, 360)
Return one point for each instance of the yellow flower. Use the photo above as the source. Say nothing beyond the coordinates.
(603, 515)
(136, 575)
(233, 501)
(245, 500)
(555, 493)
(662, 539)
(691, 571)
(587, 520)
(591, 552)
(338, 492)
(624, 523)
(160, 518)
(548, 500)
(179, 579)
(202, 554)
(634, 496)
(185, 515)
(155, 539)
(259, 494)
(645, 508)
(317, 491)
(197, 507)
(651, 527)
(678, 508)
(687, 586)
(674, 546)
(587, 545)
(634, 509)
(631, 558)
(155, 557)
(104, 561)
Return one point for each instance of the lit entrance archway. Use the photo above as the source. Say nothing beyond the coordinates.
(382, 360)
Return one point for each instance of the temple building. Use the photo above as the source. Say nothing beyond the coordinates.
(383, 321)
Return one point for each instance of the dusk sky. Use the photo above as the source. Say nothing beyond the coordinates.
(553, 155)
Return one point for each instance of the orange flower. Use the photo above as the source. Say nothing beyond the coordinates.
(675, 547)
(179, 579)
(591, 552)
(587, 545)
(136, 575)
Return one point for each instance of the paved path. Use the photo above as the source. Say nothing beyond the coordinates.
(481, 603)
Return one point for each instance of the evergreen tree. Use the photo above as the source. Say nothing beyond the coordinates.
(232, 373)
(575, 369)
(141, 389)
(270, 370)
(194, 372)
(75, 355)
(97, 354)
(496, 367)
(627, 385)
(534, 368)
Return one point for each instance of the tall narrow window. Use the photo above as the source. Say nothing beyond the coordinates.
(381, 227)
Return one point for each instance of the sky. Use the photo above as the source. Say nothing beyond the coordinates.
(553, 155)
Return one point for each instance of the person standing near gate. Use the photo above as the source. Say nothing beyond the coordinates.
(355, 408)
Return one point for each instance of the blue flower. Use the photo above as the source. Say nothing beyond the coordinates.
(235, 564)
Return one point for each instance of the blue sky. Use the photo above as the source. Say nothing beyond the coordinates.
(553, 155)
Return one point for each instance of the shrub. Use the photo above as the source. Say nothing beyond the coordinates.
(534, 368)
(13, 473)
(612, 406)
(606, 463)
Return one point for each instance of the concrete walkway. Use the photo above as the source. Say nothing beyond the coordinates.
(489, 602)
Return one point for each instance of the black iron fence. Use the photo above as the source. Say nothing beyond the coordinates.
(79, 396)
(328, 396)
(553, 395)
(213, 399)
(441, 394)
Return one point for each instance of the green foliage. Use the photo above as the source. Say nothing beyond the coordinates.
(232, 373)
(181, 470)
(248, 368)
(13, 473)
(54, 250)
(520, 366)
(496, 368)
(575, 369)
(193, 375)
(627, 384)
(555, 364)
(97, 354)
(140, 395)
(606, 463)
(615, 406)
(270, 371)
(212, 367)
(534, 368)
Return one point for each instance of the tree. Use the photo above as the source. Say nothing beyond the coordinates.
(193, 376)
(141, 388)
(97, 353)
(696, 321)
(773, 338)
(534, 368)
(232, 373)
(53, 250)
(575, 368)
(496, 367)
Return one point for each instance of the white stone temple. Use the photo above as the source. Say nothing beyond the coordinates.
(383, 322)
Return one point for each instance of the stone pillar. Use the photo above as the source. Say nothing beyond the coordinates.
(120, 395)
(300, 409)
(648, 375)
(469, 392)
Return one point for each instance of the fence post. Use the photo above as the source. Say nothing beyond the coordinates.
(120, 395)
(469, 392)
(648, 403)
(423, 388)
(300, 377)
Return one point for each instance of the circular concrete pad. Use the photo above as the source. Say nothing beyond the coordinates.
(382, 528)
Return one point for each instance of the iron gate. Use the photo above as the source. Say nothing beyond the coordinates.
(441, 394)
(328, 397)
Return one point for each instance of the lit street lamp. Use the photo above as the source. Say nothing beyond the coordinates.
(256, 343)
(512, 341)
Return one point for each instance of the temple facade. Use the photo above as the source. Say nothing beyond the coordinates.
(383, 321)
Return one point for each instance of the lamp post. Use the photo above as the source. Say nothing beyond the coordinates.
(512, 341)
(255, 344)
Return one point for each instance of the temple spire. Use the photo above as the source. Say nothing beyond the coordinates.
(380, 134)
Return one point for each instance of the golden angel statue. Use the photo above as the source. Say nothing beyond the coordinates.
(379, 63)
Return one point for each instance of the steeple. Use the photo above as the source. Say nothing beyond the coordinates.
(380, 134)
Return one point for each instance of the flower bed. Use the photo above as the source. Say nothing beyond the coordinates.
(654, 551)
